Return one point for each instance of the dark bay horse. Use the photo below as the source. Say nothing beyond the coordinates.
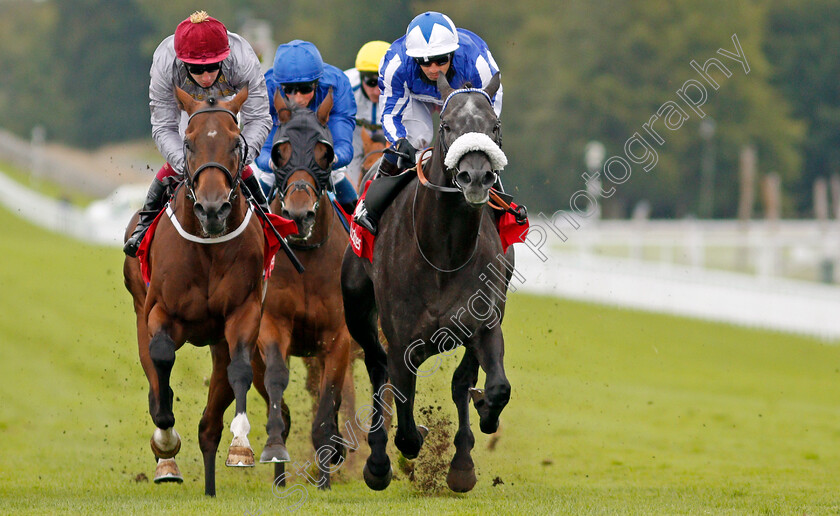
(429, 286)
(206, 266)
(303, 314)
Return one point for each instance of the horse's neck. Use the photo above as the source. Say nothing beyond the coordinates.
(445, 225)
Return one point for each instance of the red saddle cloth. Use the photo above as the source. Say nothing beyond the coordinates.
(510, 232)
(283, 226)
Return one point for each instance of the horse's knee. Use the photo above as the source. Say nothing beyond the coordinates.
(498, 394)
(239, 370)
(162, 351)
(209, 435)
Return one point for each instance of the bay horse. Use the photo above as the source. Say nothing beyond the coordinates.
(429, 265)
(373, 145)
(206, 283)
(303, 314)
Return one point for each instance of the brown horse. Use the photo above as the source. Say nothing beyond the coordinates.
(206, 263)
(303, 314)
(373, 145)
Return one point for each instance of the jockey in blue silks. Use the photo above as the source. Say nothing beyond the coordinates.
(408, 79)
(302, 77)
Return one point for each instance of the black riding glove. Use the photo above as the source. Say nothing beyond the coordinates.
(404, 152)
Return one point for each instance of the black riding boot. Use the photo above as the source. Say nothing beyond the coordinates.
(379, 196)
(154, 203)
(252, 186)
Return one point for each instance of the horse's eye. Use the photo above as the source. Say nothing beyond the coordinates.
(188, 144)
(444, 126)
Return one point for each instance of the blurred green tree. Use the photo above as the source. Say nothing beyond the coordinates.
(803, 44)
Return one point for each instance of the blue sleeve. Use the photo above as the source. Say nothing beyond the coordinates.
(343, 121)
(264, 159)
(394, 96)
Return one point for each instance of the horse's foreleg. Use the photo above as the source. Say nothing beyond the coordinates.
(325, 434)
(219, 397)
(274, 344)
(165, 442)
(461, 476)
(409, 438)
(490, 352)
(360, 315)
(241, 334)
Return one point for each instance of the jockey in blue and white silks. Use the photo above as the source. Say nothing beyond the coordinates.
(409, 96)
(408, 79)
(302, 77)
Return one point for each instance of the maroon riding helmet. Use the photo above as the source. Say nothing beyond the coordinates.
(201, 39)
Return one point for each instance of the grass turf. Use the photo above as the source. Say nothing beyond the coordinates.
(612, 411)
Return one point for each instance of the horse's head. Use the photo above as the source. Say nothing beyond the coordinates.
(302, 155)
(470, 138)
(214, 155)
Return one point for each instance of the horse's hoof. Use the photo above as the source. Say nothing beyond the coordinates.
(275, 453)
(460, 481)
(160, 454)
(423, 431)
(377, 483)
(167, 471)
(240, 456)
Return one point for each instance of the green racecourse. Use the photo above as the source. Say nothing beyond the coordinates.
(613, 411)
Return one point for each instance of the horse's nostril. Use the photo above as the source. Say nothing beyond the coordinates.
(224, 211)
(199, 210)
(463, 178)
(285, 213)
(310, 215)
(489, 178)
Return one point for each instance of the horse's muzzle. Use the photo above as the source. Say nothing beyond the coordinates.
(212, 216)
(305, 220)
(475, 176)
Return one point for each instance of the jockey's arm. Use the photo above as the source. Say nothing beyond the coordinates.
(393, 98)
(165, 113)
(255, 116)
(342, 122)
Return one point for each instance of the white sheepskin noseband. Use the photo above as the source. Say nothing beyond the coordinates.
(475, 142)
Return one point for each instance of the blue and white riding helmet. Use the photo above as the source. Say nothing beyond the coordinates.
(297, 61)
(430, 34)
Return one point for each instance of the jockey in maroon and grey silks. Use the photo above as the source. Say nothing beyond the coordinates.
(205, 60)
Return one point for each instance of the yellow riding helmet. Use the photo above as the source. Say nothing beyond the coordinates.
(370, 55)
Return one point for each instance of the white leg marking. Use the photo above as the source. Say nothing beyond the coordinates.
(166, 440)
(240, 428)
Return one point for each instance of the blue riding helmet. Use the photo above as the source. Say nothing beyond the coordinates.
(297, 61)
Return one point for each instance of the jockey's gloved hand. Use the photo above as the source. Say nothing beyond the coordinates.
(405, 153)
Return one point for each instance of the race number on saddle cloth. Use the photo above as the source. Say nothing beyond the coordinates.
(512, 225)
(284, 227)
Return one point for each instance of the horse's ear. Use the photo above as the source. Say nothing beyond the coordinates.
(237, 101)
(284, 111)
(443, 86)
(493, 85)
(185, 101)
(325, 108)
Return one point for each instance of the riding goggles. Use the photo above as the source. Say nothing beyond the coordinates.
(371, 81)
(302, 87)
(438, 60)
(198, 69)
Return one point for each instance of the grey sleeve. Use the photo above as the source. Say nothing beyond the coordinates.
(255, 115)
(165, 113)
